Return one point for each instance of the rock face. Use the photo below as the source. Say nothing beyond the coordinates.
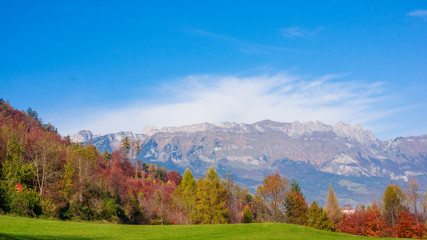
(353, 160)
(82, 136)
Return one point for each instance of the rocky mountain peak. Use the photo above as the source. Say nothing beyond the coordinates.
(82, 136)
(307, 128)
(150, 130)
(200, 127)
(355, 133)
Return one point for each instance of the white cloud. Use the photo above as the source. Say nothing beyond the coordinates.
(300, 32)
(216, 99)
(418, 13)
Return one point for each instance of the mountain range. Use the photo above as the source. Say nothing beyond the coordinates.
(351, 159)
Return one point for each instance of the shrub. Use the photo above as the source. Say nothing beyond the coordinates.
(247, 215)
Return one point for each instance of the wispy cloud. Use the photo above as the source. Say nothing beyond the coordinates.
(244, 46)
(419, 13)
(294, 32)
(215, 99)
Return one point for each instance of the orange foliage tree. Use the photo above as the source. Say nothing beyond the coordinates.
(273, 191)
(408, 227)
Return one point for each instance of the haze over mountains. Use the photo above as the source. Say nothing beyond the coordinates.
(352, 159)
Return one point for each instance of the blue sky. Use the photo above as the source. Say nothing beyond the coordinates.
(125, 65)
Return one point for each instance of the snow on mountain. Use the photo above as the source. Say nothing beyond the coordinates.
(316, 152)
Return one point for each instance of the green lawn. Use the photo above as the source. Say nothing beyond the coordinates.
(30, 228)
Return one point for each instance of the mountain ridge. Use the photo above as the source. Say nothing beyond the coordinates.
(250, 151)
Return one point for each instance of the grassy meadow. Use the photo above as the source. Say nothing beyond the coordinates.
(30, 228)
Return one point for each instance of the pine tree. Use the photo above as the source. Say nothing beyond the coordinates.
(332, 208)
(317, 218)
(295, 205)
(247, 215)
(125, 145)
(393, 199)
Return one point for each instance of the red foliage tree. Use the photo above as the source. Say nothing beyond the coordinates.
(408, 227)
(363, 222)
(375, 224)
(174, 176)
(353, 223)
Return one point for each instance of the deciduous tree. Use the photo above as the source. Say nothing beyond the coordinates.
(332, 208)
(273, 192)
(393, 199)
(374, 223)
(408, 227)
(185, 197)
(413, 197)
(44, 157)
(211, 199)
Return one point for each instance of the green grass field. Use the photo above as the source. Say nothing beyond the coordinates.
(30, 228)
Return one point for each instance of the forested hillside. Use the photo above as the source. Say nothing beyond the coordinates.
(45, 175)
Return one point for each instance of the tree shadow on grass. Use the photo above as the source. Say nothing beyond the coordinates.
(11, 236)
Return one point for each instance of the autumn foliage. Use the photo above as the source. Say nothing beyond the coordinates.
(365, 222)
(408, 227)
(44, 174)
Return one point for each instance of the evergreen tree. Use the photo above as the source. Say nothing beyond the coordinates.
(296, 207)
(32, 113)
(211, 199)
(295, 187)
(332, 208)
(247, 215)
(125, 145)
(317, 218)
(392, 200)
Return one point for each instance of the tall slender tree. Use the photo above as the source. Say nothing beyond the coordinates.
(425, 207)
(233, 204)
(125, 145)
(393, 203)
(332, 208)
(413, 197)
(185, 196)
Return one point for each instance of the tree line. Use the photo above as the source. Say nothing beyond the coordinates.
(45, 175)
